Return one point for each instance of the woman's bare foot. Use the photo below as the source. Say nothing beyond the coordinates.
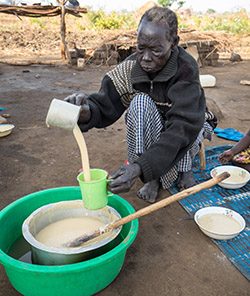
(149, 191)
(186, 180)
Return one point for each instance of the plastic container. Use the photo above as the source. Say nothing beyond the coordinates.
(63, 114)
(78, 279)
(207, 80)
(81, 63)
(94, 193)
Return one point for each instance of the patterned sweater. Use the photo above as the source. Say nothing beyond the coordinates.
(178, 95)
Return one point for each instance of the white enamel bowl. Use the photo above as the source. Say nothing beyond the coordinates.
(6, 129)
(239, 176)
(223, 211)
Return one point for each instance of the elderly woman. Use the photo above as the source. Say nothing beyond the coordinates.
(159, 89)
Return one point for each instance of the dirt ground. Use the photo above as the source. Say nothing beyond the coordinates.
(39, 37)
(169, 256)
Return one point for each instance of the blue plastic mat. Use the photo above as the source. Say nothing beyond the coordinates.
(237, 249)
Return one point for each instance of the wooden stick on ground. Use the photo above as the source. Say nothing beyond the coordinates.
(25, 62)
(245, 82)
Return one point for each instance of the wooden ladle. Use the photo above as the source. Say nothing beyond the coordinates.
(147, 210)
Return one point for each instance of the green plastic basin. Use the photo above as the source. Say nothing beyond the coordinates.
(78, 279)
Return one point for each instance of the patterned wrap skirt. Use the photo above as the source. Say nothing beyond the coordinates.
(144, 127)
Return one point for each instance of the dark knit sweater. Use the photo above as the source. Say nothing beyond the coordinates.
(178, 95)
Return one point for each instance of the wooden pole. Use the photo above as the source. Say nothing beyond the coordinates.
(202, 157)
(64, 49)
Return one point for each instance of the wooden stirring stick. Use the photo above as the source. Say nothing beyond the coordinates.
(147, 210)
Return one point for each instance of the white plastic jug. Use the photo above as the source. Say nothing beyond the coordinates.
(63, 114)
(207, 80)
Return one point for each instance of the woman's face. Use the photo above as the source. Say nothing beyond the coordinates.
(153, 48)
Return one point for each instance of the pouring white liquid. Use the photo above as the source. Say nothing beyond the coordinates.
(84, 152)
(65, 115)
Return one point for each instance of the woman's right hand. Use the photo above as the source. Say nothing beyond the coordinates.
(80, 100)
(226, 156)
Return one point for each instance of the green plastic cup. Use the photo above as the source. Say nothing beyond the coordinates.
(94, 193)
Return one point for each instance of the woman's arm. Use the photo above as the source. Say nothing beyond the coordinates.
(241, 145)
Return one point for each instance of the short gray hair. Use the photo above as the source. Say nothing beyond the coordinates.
(162, 16)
